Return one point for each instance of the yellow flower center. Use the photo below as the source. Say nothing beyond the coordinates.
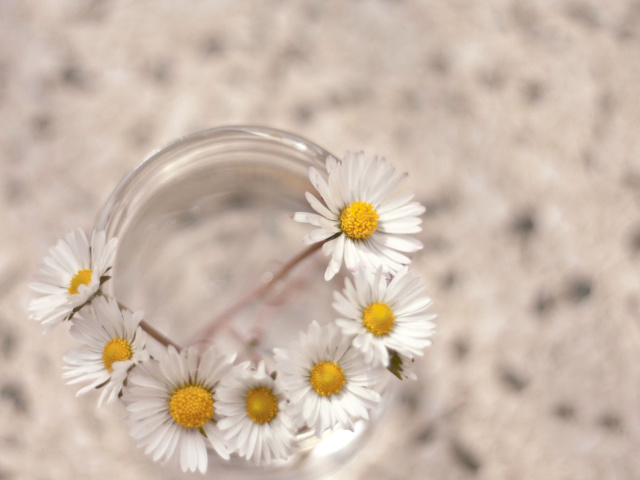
(262, 405)
(378, 318)
(115, 350)
(191, 406)
(327, 378)
(82, 277)
(359, 220)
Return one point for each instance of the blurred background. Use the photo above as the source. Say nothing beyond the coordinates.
(519, 124)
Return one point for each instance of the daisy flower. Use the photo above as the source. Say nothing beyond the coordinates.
(256, 422)
(326, 380)
(172, 405)
(70, 276)
(113, 343)
(369, 223)
(385, 316)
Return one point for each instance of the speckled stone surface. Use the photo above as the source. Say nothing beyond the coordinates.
(519, 124)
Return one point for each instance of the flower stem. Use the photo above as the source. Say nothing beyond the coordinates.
(220, 320)
(153, 333)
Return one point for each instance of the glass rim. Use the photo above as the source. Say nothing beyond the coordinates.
(282, 137)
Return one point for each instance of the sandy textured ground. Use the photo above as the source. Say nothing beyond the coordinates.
(519, 122)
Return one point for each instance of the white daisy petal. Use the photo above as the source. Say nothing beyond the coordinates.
(401, 243)
(329, 247)
(396, 202)
(409, 210)
(378, 198)
(315, 220)
(394, 257)
(318, 206)
(336, 258)
(318, 235)
(401, 226)
(351, 257)
(323, 189)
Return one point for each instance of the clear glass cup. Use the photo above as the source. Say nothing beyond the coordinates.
(206, 219)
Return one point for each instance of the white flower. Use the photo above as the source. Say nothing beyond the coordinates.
(70, 276)
(327, 381)
(113, 343)
(370, 225)
(256, 422)
(386, 316)
(172, 406)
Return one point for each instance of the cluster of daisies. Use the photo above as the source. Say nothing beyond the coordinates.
(179, 402)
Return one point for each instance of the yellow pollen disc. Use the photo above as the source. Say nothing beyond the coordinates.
(82, 277)
(359, 220)
(115, 350)
(191, 406)
(327, 378)
(262, 405)
(378, 318)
